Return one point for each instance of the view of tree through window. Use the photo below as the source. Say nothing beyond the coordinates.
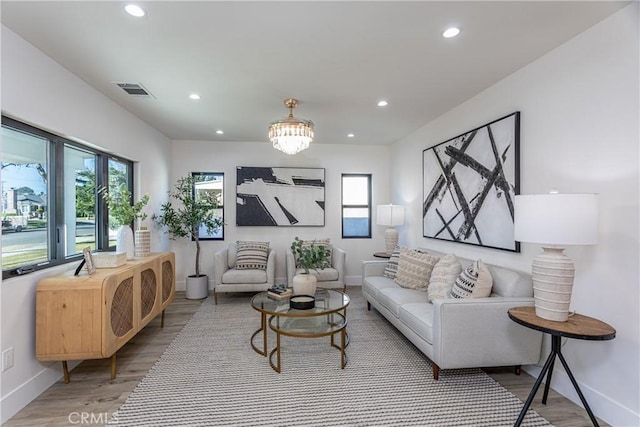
(213, 184)
(50, 204)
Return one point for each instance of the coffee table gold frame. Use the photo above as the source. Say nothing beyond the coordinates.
(327, 318)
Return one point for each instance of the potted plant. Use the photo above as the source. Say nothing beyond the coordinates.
(121, 214)
(308, 257)
(193, 210)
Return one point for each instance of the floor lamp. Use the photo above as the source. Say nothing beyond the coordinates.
(391, 216)
(555, 221)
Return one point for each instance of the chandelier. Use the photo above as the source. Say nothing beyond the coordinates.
(291, 135)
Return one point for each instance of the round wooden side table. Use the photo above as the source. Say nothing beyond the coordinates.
(577, 327)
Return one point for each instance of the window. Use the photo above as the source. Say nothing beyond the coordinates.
(356, 206)
(211, 183)
(49, 188)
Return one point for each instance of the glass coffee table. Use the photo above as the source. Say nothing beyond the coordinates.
(327, 318)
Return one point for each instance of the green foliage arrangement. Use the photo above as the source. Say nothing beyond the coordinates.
(310, 257)
(121, 211)
(192, 212)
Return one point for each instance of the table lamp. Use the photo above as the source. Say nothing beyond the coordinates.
(391, 216)
(555, 221)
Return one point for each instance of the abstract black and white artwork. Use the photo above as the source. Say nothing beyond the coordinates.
(470, 182)
(279, 196)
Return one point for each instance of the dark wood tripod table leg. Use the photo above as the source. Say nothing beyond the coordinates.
(548, 370)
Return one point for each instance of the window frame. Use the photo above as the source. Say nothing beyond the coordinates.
(221, 207)
(55, 151)
(349, 206)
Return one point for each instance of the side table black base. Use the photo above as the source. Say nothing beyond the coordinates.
(548, 370)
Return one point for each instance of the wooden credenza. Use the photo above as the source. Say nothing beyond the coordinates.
(92, 316)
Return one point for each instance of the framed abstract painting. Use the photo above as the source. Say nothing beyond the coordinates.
(279, 196)
(469, 185)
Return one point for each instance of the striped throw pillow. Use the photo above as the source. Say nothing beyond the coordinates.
(391, 269)
(474, 282)
(252, 255)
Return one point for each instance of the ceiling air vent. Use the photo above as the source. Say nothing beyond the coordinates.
(135, 89)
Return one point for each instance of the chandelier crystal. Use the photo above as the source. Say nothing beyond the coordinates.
(291, 135)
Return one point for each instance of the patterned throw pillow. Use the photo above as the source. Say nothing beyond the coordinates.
(391, 269)
(443, 276)
(252, 255)
(474, 282)
(318, 242)
(414, 269)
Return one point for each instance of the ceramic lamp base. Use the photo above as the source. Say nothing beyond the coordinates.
(552, 274)
(390, 239)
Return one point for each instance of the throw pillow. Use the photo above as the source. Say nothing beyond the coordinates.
(414, 269)
(443, 276)
(474, 282)
(391, 269)
(252, 255)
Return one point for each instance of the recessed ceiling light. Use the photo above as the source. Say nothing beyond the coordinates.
(135, 10)
(220, 132)
(350, 135)
(451, 32)
(382, 103)
(194, 96)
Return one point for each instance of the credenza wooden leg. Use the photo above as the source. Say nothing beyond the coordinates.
(65, 372)
(113, 366)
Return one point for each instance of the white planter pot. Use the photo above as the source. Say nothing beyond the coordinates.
(304, 284)
(124, 241)
(197, 287)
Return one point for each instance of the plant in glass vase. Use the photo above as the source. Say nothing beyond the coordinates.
(308, 257)
(121, 214)
(192, 211)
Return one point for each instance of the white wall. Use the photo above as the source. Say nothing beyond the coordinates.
(336, 159)
(37, 90)
(579, 133)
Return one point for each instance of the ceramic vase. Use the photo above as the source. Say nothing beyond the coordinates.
(142, 242)
(304, 284)
(124, 241)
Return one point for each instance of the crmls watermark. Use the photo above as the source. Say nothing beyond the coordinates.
(88, 418)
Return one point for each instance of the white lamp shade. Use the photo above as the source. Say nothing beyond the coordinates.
(390, 215)
(556, 219)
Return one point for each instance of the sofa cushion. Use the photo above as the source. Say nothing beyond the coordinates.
(474, 282)
(373, 284)
(322, 275)
(443, 276)
(396, 297)
(414, 269)
(391, 269)
(252, 255)
(234, 276)
(419, 317)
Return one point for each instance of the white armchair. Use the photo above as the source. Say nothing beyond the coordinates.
(331, 277)
(228, 278)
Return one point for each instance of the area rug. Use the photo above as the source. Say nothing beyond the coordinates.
(210, 376)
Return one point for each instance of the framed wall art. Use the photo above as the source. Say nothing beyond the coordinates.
(469, 185)
(279, 196)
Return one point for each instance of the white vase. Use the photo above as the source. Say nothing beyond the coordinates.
(304, 284)
(124, 241)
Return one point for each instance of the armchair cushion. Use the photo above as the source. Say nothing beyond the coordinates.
(236, 276)
(251, 255)
(323, 275)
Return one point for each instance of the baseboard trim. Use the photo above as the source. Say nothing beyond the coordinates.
(603, 407)
(21, 396)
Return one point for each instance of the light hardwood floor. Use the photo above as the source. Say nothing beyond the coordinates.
(91, 393)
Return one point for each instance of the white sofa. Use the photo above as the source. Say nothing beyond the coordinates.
(329, 278)
(226, 278)
(459, 333)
